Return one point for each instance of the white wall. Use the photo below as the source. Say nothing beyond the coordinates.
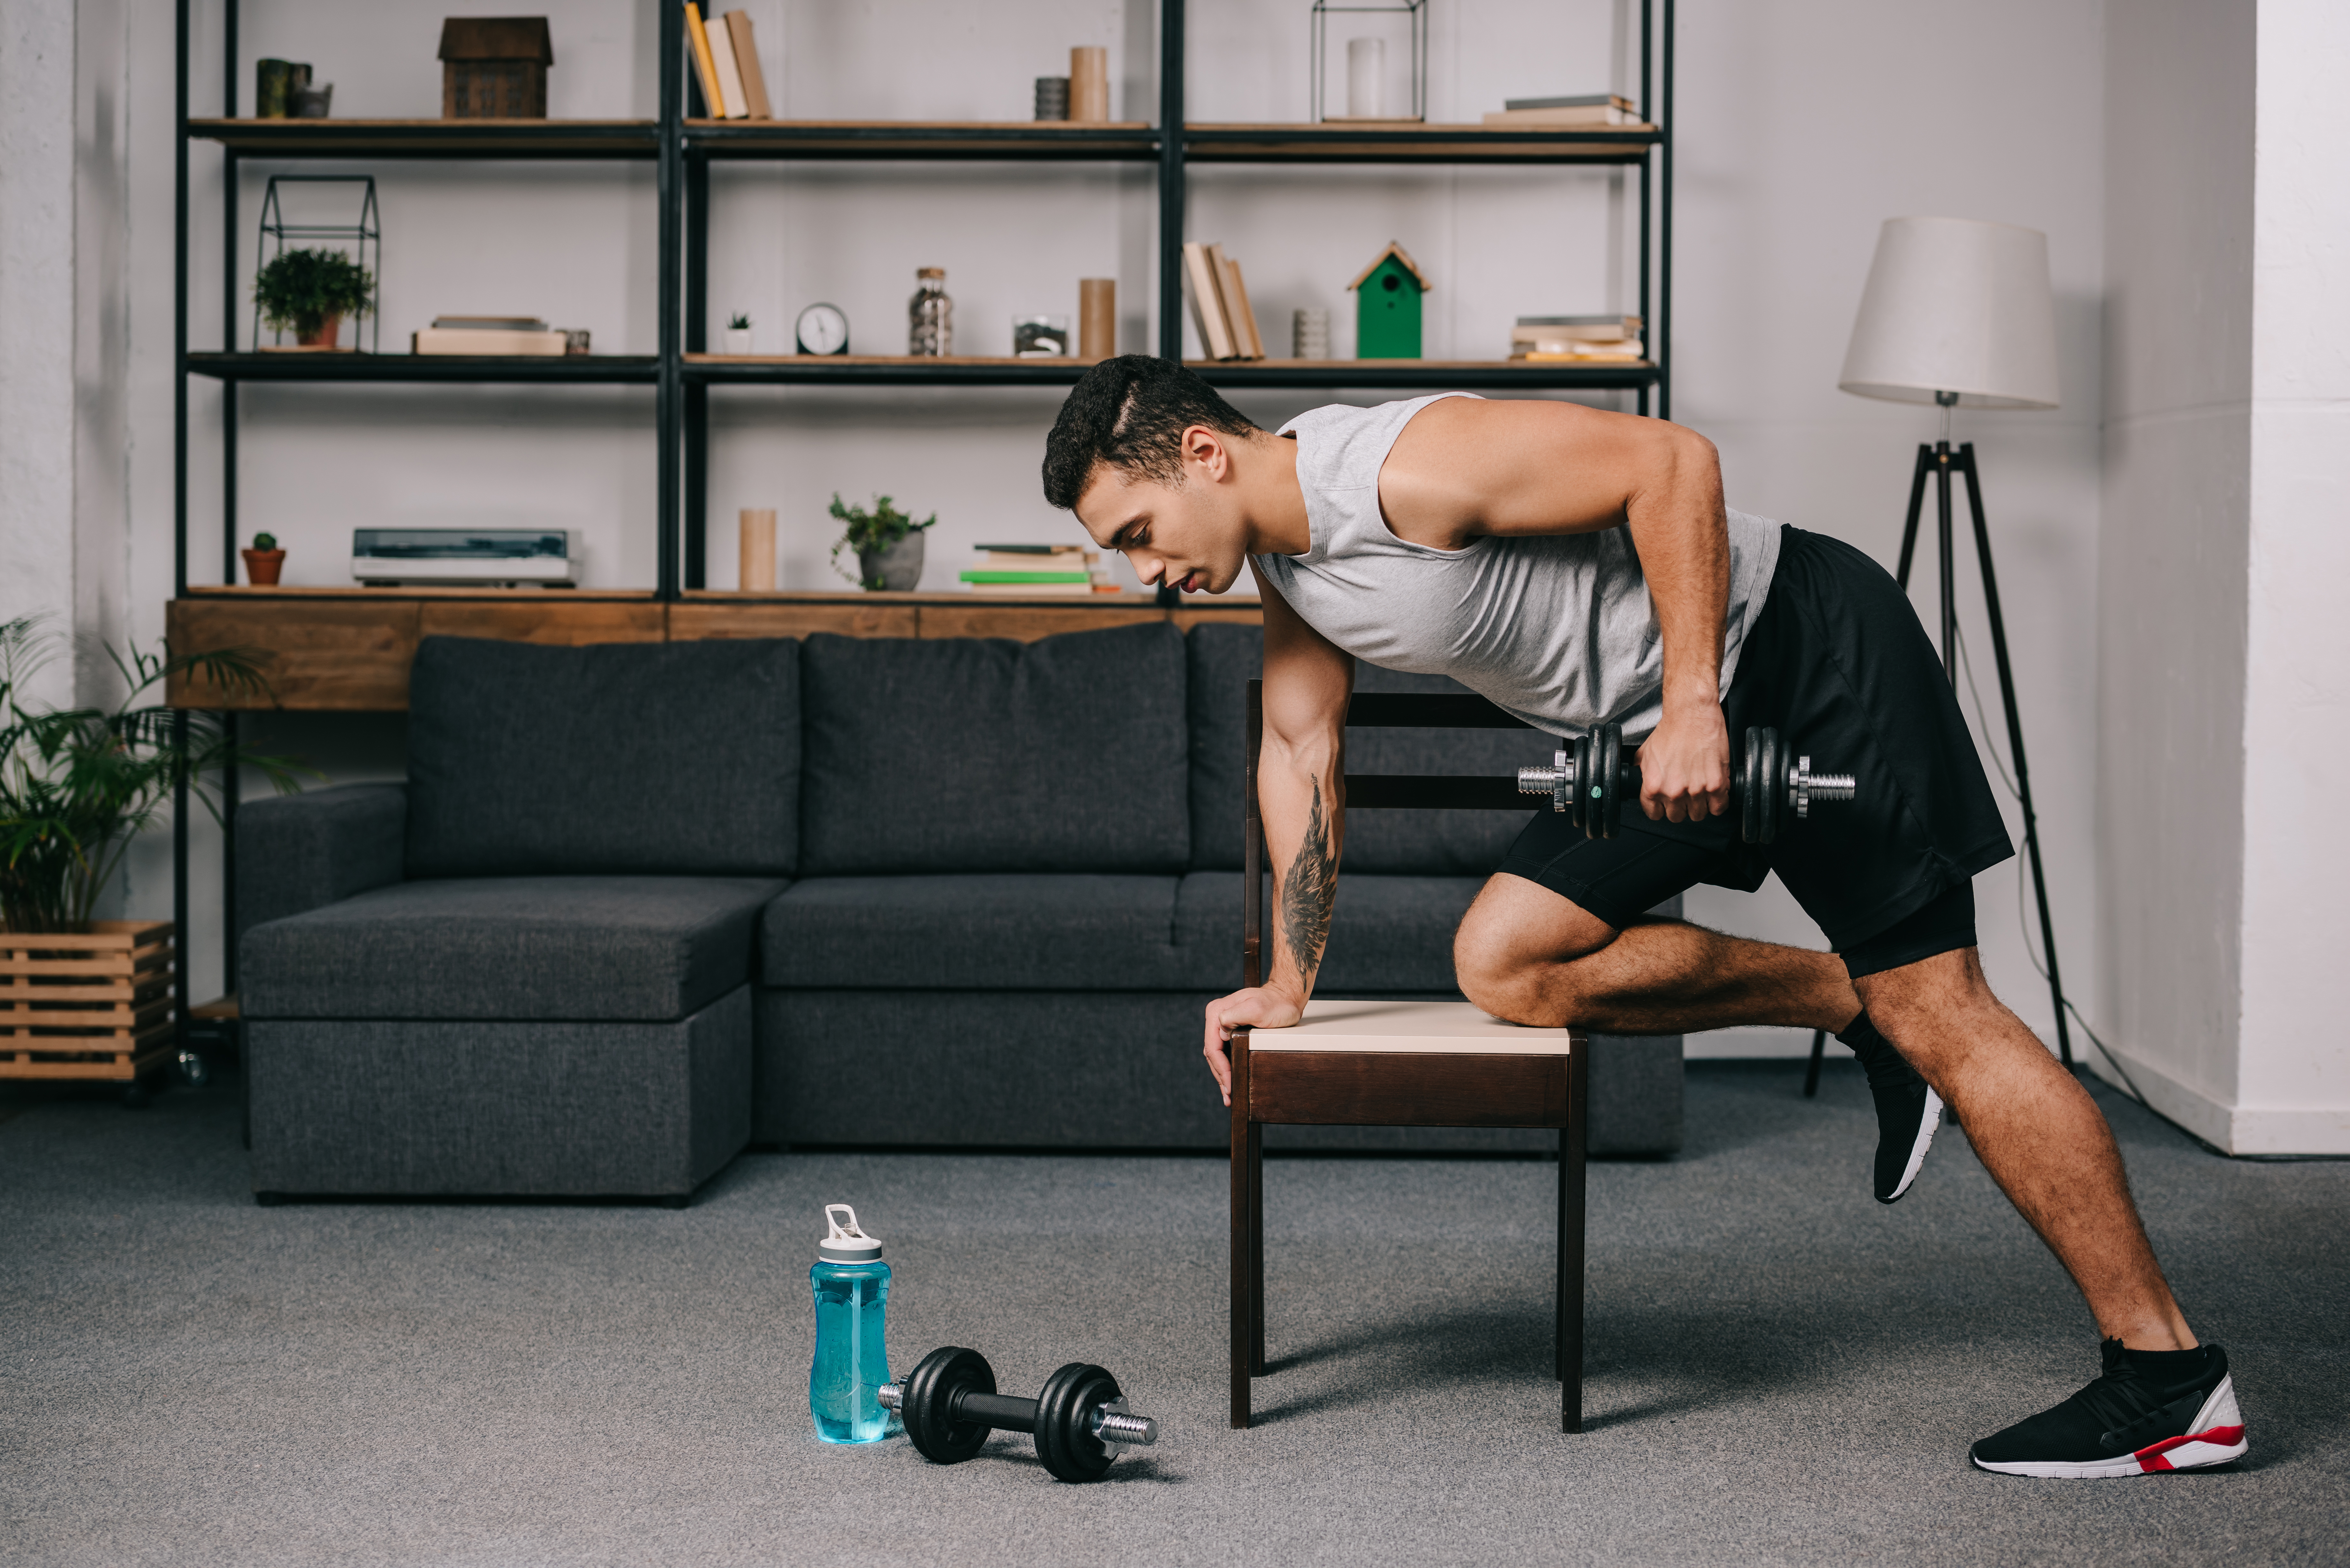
(1804, 124)
(2179, 87)
(1802, 127)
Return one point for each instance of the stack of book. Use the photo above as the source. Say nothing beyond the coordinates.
(1583, 111)
(1220, 303)
(726, 65)
(1028, 571)
(488, 335)
(1596, 339)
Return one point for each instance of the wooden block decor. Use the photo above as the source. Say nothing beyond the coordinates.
(94, 1004)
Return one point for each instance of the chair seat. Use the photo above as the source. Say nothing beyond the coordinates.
(1430, 1028)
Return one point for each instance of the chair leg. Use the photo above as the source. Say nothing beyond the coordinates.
(1247, 1251)
(1256, 1247)
(1812, 1073)
(1571, 1280)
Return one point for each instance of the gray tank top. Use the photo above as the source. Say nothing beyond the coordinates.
(1556, 628)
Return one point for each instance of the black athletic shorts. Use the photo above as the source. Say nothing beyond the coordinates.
(1837, 662)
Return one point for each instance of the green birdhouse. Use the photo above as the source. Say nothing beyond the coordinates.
(1386, 306)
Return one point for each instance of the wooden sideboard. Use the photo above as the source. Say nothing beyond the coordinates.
(349, 650)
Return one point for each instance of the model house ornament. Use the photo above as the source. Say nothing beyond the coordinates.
(1387, 306)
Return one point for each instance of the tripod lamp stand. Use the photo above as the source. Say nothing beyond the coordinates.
(1957, 313)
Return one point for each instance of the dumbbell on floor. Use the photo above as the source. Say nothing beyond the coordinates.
(1080, 1421)
(1593, 778)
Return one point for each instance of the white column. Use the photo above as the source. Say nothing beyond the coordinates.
(2292, 1078)
(36, 321)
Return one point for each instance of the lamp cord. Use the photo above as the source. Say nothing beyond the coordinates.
(2022, 921)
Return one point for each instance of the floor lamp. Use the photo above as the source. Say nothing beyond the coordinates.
(1957, 313)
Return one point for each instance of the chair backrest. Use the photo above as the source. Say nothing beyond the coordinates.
(1425, 795)
(1382, 836)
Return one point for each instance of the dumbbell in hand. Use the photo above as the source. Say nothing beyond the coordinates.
(1080, 1421)
(1592, 779)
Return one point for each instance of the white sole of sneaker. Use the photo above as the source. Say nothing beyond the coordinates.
(1926, 1125)
(2215, 1437)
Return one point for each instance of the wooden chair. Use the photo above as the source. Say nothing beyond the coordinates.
(1395, 1063)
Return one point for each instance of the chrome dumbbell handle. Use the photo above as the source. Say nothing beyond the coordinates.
(1803, 786)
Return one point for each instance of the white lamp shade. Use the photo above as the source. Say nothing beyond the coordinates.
(1956, 305)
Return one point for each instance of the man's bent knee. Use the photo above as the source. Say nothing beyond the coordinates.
(1513, 954)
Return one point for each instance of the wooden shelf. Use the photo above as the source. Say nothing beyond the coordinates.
(575, 369)
(880, 369)
(981, 371)
(349, 650)
(1429, 374)
(1022, 141)
(530, 139)
(1308, 143)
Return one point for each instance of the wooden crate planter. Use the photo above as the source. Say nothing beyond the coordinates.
(95, 1004)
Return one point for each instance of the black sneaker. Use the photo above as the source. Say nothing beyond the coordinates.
(1907, 1108)
(2129, 1422)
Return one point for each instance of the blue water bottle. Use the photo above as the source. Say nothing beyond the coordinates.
(852, 1352)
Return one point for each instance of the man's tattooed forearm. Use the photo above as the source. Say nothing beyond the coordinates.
(1307, 894)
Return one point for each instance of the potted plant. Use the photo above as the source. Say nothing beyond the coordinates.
(308, 292)
(738, 334)
(264, 561)
(77, 785)
(888, 544)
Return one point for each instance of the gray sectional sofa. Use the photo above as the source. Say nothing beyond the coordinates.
(638, 907)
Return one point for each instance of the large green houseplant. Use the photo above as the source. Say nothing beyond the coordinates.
(77, 785)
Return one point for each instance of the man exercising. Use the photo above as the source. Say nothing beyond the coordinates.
(1578, 567)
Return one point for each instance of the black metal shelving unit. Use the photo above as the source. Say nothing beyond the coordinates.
(708, 142)
(683, 150)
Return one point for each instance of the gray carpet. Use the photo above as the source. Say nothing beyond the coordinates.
(1780, 1371)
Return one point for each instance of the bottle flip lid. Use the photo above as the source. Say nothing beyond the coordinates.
(845, 1243)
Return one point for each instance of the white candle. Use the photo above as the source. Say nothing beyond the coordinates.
(1366, 77)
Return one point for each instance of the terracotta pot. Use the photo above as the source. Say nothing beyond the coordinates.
(321, 336)
(262, 566)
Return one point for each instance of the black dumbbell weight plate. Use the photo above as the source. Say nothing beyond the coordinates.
(1063, 1442)
(1608, 772)
(1582, 781)
(1773, 768)
(931, 1390)
(1750, 787)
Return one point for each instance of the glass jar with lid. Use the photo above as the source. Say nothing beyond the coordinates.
(929, 316)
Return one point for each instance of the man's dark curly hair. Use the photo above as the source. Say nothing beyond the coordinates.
(1130, 412)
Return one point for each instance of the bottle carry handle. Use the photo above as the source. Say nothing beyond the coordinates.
(837, 1231)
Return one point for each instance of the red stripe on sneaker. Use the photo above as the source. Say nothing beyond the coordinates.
(2149, 1459)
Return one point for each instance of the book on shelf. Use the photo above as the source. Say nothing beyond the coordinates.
(1036, 568)
(1590, 354)
(1040, 590)
(705, 64)
(1238, 314)
(1576, 338)
(1573, 100)
(747, 65)
(530, 341)
(722, 60)
(1594, 117)
(1208, 302)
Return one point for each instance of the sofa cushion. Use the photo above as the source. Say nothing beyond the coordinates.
(972, 754)
(617, 949)
(678, 759)
(1380, 840)
(1387, 934)
(1044, 931)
